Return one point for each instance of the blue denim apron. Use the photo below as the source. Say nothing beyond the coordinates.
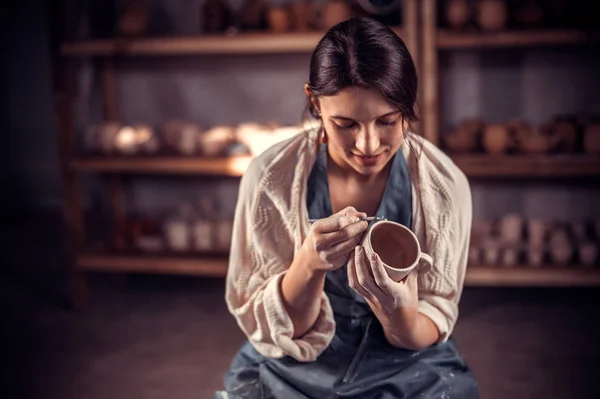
(359, 363)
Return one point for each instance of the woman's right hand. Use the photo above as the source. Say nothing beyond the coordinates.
(331, 240)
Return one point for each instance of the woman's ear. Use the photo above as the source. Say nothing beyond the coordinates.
(312, 98)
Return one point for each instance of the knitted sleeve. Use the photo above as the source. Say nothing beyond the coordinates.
(262, 250)
(447, 204)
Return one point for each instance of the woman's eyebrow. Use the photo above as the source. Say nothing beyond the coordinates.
(352, 120)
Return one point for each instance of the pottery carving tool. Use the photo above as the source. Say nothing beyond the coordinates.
(366, 219)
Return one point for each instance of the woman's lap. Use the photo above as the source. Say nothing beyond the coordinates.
(383, 373)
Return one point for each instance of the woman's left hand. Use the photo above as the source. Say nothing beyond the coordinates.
(394, 303)
(368, 277)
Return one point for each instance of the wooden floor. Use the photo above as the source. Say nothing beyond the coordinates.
(172, 337)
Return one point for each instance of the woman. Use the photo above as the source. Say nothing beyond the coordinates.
(322, 319)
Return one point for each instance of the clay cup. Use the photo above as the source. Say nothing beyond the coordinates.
(398, 248)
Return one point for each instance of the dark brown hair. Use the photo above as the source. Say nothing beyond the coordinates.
(365, 53)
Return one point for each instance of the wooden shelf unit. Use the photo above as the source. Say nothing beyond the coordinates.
(451, 40)
(66, 54)
(525, 276)
(484, 166)
(528, 166)
(239, 44)
(233, 166)
(213, 265)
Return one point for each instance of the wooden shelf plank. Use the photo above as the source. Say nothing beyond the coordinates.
(234, 166)
(447, 39)
(548, 276)
(213, 265)
(546, 166)
(246, 43)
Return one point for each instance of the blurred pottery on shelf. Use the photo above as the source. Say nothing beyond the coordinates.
(591, 139)
(559, 246)
(300, 13)
(535, 255)
(496, 139)
(528, 14)
(333, 12)
(181, 137)
(134, 19)
(458, 14)
(588, 253)
(278, 19)
(215, 141)
(492, 15)
(537, 139)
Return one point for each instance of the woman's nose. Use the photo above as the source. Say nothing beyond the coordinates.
(367, 141)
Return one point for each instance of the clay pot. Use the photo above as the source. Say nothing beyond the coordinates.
(202, 231)
(177, 233)
(490, 249)
(253, 15)
(223, 231)
(535, 255)
(492, 15)
(588, 253)
(278, 19)
(102, 137)
(496, 139)
(560, 247)
(567, 133)
(145, 235)
(458, 13)
(134, 19)
(181, 137)
(214, 142)
(458, 141)
(511, 228)
(333, 12)
(591, 139)
(474, 255)
(216, 16)
(398, 248)
(147, 139)
(300, 12)
(529, 14)
(126, 142)
(539, 139)
(536, 231)
(510, 256)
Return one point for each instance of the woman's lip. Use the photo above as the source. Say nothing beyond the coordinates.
(368, 160)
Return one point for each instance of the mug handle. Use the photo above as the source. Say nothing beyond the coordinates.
(425, 263)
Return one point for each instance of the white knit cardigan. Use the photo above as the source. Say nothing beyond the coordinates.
(271, 222)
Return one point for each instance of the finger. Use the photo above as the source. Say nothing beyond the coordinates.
(365, 279)
(351, 211)
(334, 223)
(341, 249)
(379, 274)
(352, 277)
(412, 280)
(346, 233)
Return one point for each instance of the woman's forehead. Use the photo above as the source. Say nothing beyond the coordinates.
(356, 103)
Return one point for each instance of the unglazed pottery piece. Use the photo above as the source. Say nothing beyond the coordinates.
(398, 248)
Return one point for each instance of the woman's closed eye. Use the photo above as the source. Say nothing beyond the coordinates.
(392, 122)
(346, 126)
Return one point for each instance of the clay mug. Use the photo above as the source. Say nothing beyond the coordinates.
(398, 248)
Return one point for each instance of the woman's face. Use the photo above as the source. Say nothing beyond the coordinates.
(363, 130)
